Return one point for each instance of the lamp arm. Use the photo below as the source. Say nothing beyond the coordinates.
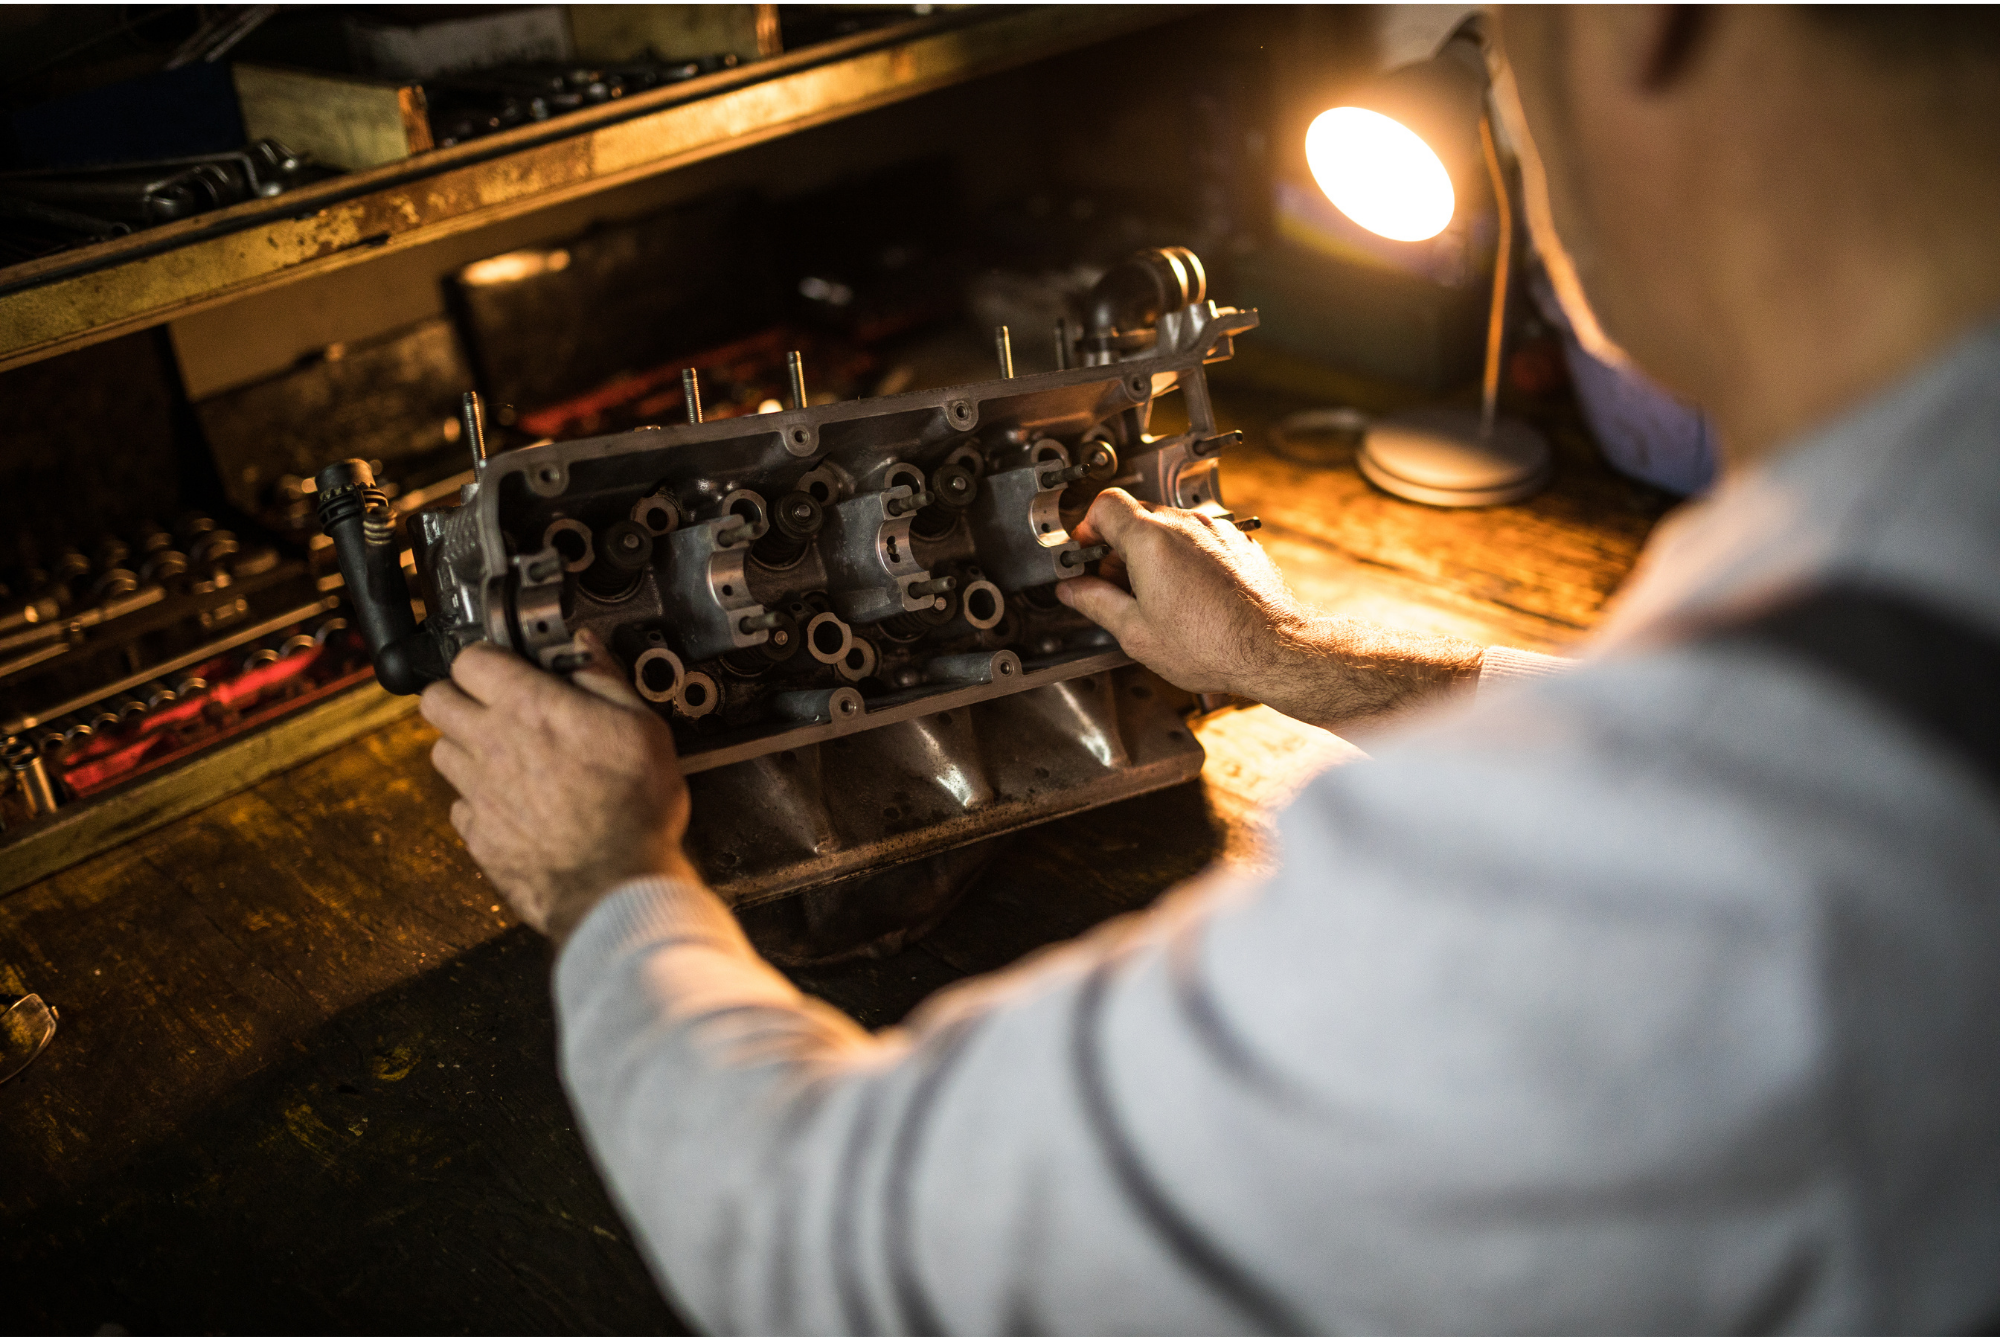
(1503, 264)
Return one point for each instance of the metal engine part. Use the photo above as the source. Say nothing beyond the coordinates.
(846, 610)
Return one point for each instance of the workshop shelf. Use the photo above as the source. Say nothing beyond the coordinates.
(93, 293)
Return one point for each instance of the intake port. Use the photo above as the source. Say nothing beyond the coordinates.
(828, 639)
(572, 541)
(698, 696)
(657, 513)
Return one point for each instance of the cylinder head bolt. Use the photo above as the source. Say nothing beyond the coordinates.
(795, 519)
(624, 550)
(952, 489)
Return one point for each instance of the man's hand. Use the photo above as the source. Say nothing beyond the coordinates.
(1190, 597)
(1198, 602)
(565, 791)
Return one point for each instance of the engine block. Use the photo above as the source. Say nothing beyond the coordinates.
(846, 610)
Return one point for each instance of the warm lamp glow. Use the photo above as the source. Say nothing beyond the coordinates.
(1380, 174)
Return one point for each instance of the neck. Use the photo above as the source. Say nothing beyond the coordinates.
(1853, 243)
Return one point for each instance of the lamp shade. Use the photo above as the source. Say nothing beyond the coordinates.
(1380, 174)
(1402, 156)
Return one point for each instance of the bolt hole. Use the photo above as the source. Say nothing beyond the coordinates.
(746, 509)
(980, 604)
(847, 706)
(570, 544)
(1046, 527)
(656, 638)
(892, 813)
(820, 490)
(728, 589)
(694, 694)
(541, 627)
(1006, 669)
(855, 659)
(658, 675)
(827, 638)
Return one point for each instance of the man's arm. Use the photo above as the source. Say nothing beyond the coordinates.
(1199, 603)
(1439, 1073)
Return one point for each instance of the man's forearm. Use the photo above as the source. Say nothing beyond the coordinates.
(1332, 672)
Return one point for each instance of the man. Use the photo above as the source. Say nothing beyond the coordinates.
(1663, 993)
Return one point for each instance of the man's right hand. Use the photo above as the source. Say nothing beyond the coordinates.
(1195, 600)
(1192, 598)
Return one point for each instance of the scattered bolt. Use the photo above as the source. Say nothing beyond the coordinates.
(937, 586)
(1057, 477)
(760, 622)
(1077, 557)
(1249, 523)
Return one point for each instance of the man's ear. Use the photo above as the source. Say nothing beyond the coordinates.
(1663, 41)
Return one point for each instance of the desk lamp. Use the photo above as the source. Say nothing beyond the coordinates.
(1397, 161)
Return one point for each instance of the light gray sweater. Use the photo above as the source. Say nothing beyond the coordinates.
(1663, 994)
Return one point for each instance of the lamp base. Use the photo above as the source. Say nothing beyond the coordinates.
(1438, 457)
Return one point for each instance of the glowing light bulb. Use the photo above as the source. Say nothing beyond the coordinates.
(1380, 174)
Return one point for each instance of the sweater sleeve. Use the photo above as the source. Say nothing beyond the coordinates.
(1503, 664)
(779, 1164)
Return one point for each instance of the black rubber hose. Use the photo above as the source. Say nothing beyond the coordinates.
(355, 515)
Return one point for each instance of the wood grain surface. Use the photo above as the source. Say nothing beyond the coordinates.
(305, 1072)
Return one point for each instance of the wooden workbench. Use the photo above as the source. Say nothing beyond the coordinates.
(305, 1073)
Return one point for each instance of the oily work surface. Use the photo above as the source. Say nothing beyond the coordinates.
(305, 1076)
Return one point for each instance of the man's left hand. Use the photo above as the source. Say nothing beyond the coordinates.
(565, 790)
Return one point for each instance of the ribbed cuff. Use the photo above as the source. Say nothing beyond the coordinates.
(1502, 664)
(646, 912)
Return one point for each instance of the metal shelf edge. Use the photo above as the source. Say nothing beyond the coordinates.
(154, 801)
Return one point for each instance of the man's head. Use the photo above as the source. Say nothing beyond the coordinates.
(1774, 211)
